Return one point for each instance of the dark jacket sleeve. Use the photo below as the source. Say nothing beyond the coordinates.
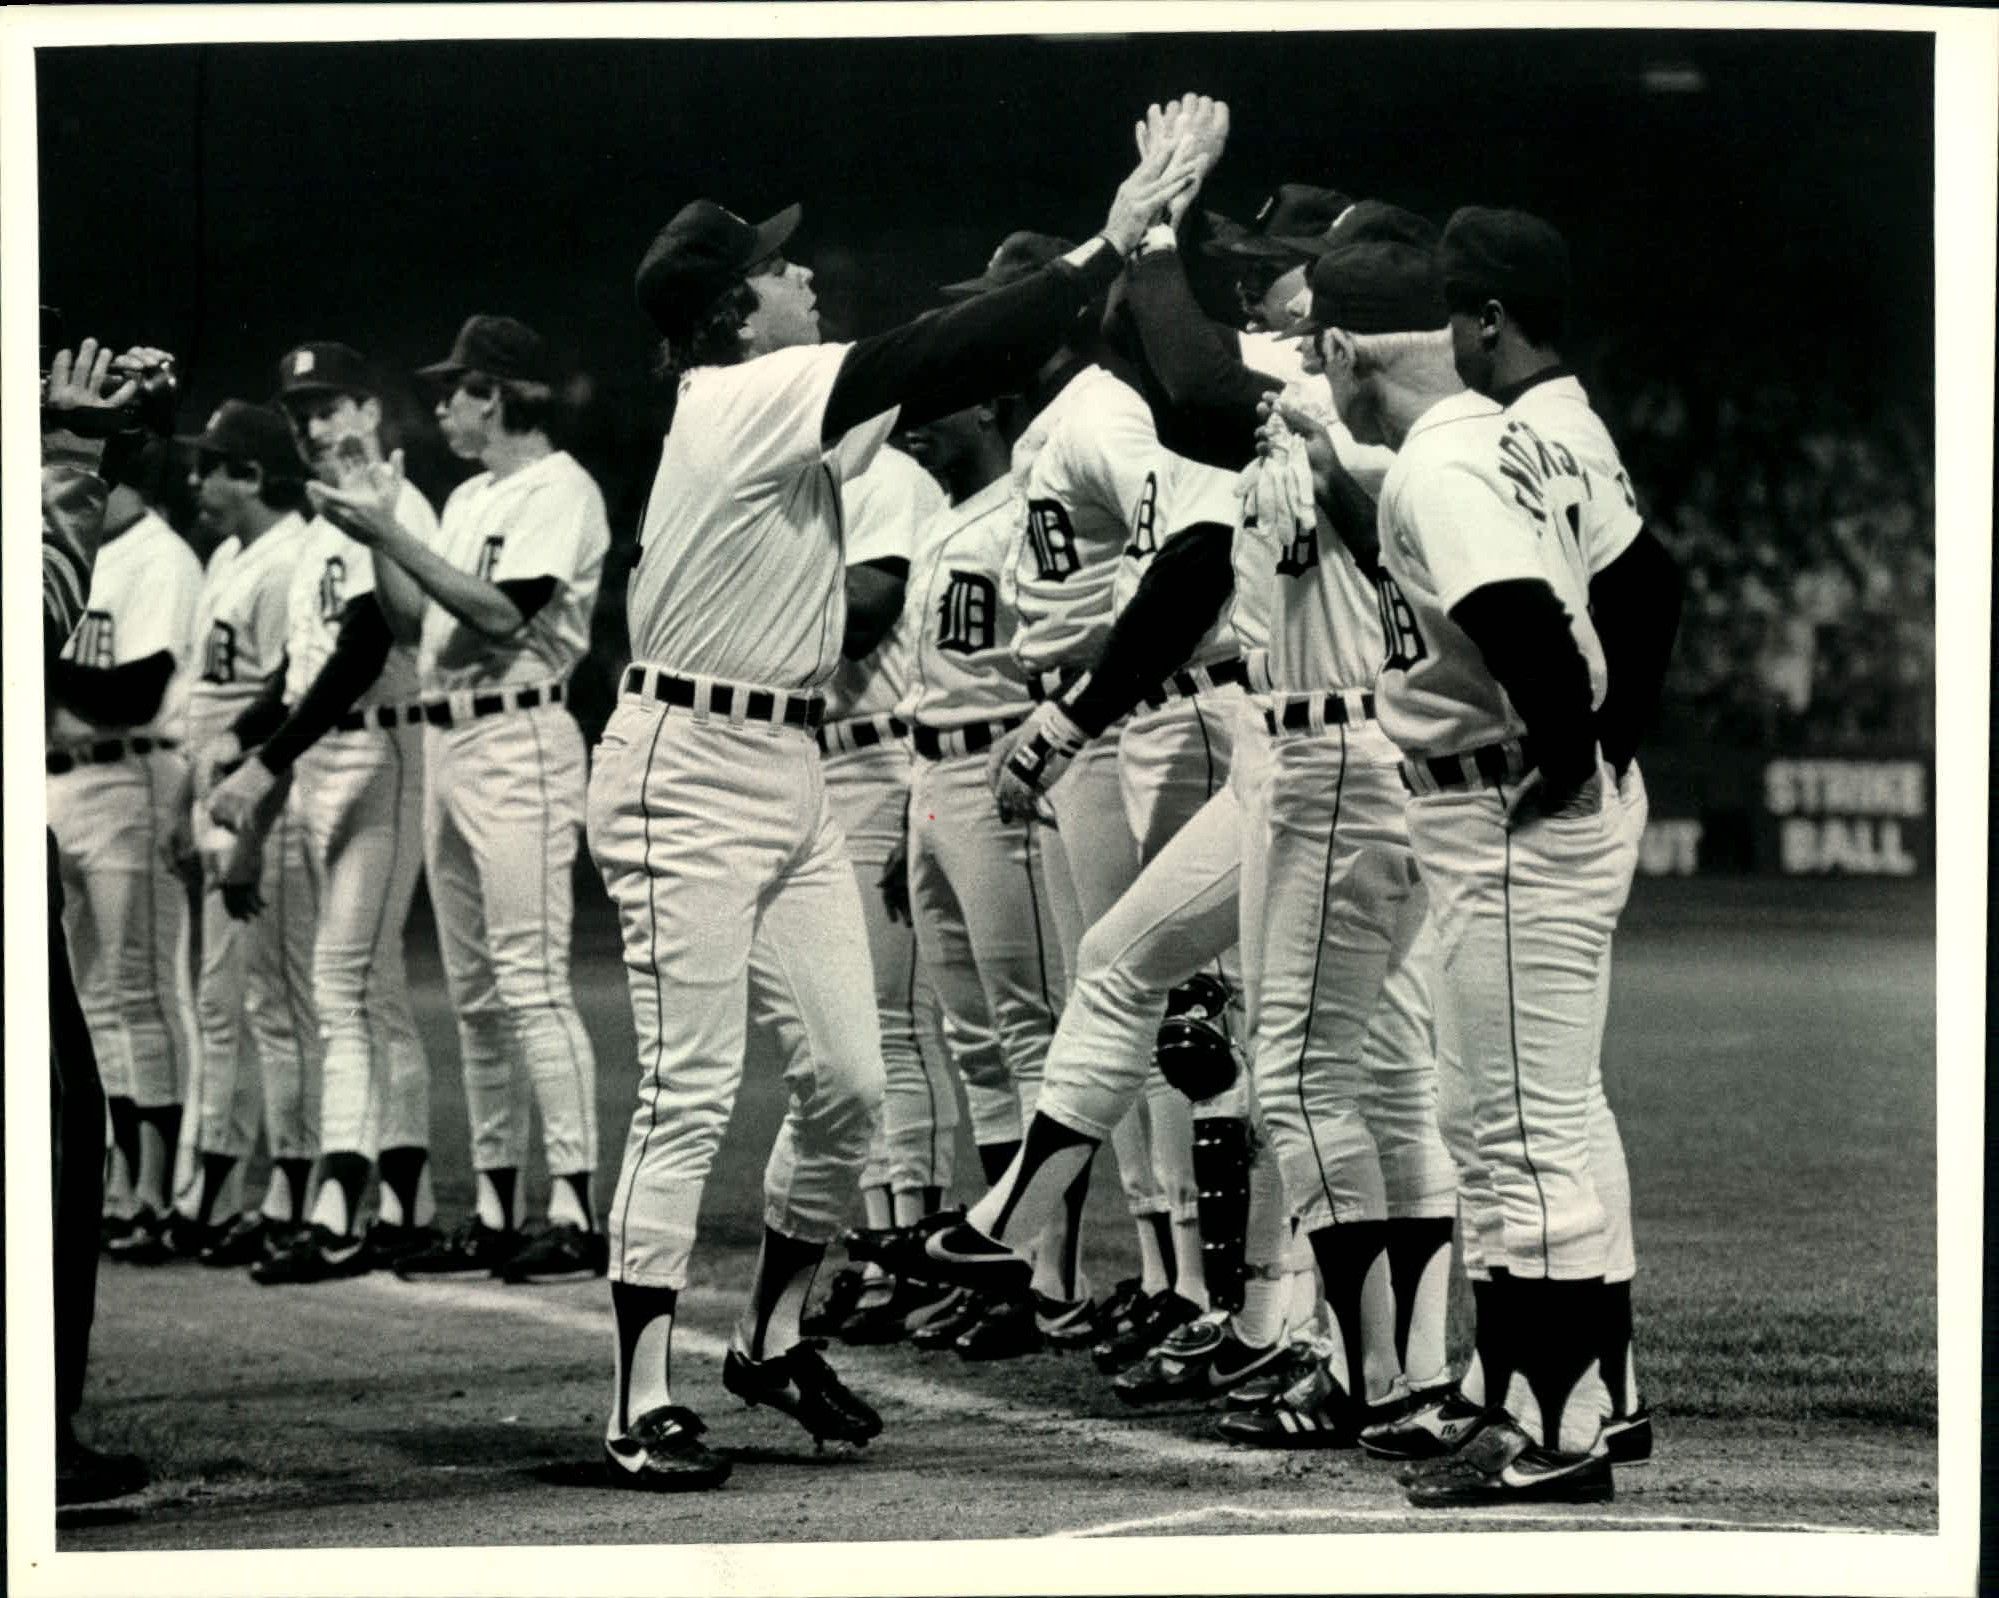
(1635, 603)
(115, 696)
(1197, 364)
(1178, 599)
(948, 359)
(357, 659)
(1522, 630)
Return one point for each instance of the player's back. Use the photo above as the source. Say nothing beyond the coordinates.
(1586, 480)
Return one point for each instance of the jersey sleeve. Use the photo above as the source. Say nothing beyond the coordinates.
(1613, 514)
(158, 614)
(759, 423)
(270, 613)
(1470, 535)
(1118, 459)
(886, 505)
(561, 531)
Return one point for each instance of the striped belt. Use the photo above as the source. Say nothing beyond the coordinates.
(380, 716)
(456, 709)
(105, 752)
(860, 732)
(936, 743)
(1484, 767)
(730, 701)
(1192, 680)
(1050, 684)
(1346, 707)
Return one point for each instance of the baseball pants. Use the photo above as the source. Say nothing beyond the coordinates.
(978, 888)
(76, 1128)
(360, 798)
(733, 885)
(256, 978)
(1523, 921)
(127, 922)
(916, 1143)
(503, 807)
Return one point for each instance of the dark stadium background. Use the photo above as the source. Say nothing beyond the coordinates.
(1750, 214)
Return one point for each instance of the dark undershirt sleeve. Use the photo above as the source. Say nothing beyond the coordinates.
(1178, 599)
(1197, 365)
(529, 594)
(1522, 630)
(357, 659)
(1635, 602)
(874, 604)
(264, 714)
(948, 359)
(115, 696)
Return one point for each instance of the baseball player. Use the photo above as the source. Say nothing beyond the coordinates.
(1506, 283)
(708, 810)
(864, 746)
(500, 601)
(1492, 678)
(350, 736)
(118, 699)
(979, 888)
(258, 916)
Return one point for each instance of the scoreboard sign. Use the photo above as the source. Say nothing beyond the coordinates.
(1833, 816)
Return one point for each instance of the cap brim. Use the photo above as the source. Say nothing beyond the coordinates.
(1262, 247)
(442, 371)
(774, 231)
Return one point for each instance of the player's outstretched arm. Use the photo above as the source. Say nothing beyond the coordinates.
(126, 695)
(948, 359)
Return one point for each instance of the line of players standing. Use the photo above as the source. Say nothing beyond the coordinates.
(354, 691)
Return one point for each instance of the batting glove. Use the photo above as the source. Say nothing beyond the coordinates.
(1034, 761)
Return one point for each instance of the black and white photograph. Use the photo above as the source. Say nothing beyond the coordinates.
(977, 799)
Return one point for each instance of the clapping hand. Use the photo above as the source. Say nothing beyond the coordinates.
(1199, 127)
(1167, 171)
(364, 505)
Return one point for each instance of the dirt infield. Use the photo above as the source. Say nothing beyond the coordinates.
(1771, 1056)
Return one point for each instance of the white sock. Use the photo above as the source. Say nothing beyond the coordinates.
(1260, 1321)
(1151, 1263)
(492, 1208)
(1381, 1366)
(1036, 1201)
(1426, 1362)
(906, 1207)
(1190, 1277)
(329, 1208)
(564, 1207)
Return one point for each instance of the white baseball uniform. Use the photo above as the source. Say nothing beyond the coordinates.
(978, 886)
(866, 754)
(255, 976)
(709, 815)
(111, 792)
(503, 805)
(1523, 916)
(359, 799)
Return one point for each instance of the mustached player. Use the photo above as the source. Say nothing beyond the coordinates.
(116, 785)
(258, 912)
(708, 812)
(499, 604)
(350, 739)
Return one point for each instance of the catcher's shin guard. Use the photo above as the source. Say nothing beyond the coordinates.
(1222, 1154)
(1193, 1049)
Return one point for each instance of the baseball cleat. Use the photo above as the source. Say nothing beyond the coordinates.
(186, 1238)
(662, 1452)
(1503, 1465)
(387, 1244)
(144, 1242)
(1426, 1435)
(843, 1297)
(947, 1325)
(1155, 1318)
(474, 1249)
(802, 1384)
(245, 1240)
(944, 1248)
(1200, 1360)
(1299, 1361)
(1628, 1438)
(317, 1254)
(1123, 1300)
(1066, 1325)
(1006, 1331)
(563, 1253)
(890, 1320)
(110, 1228)
(1313, 1412)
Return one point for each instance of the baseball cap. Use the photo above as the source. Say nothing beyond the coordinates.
(1377, 286)
(1291, 223)
(1372, 219)
(1489, 254)
(697, 255)
(323, 368)
(498, 346)
(1020, 254)
(245, 432)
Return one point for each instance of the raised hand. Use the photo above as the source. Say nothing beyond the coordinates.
(73, 394)
(364, 505)
(1163, 172)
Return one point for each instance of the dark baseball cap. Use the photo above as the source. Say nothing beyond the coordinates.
(241, 431)
(1374, 220)
(497, 346)
(1377, 286)
(1020, 254)
(1290, 224)
(323, 368)
(704, 249)
(1501, 255)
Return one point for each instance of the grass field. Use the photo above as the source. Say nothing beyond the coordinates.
(1772, 1059)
